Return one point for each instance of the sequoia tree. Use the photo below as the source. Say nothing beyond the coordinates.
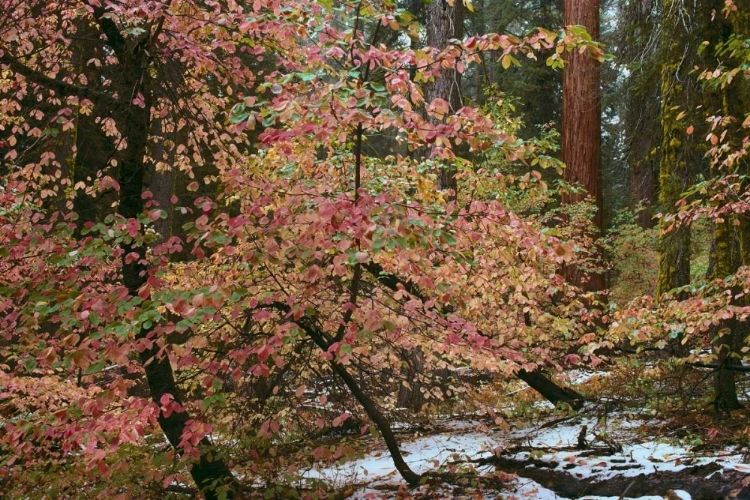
(581, 125)
(637, 46)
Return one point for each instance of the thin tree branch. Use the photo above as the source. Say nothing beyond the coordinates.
(62, 88)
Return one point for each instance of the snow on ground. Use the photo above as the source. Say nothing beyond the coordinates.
(581, 376)
(634, 459)
(461, 441)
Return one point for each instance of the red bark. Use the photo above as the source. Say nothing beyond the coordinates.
(581, 124)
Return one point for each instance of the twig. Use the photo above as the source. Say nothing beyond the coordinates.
(582, 443)
(556, 421)
(627, 489)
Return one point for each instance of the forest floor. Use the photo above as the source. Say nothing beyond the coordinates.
(622, 453)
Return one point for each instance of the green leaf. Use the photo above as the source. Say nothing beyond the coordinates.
(448, 239)
(307, 77)
(581, 32)
(95, 368)
(377, 87)
(238, 294)
(29, 364)
(239, 117)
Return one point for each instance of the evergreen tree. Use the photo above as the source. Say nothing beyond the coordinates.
(581, 126)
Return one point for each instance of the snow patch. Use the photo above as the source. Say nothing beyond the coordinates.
(424, 454)
(462, 442)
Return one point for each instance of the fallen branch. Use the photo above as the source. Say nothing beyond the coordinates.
(699, 481)
(716, 366)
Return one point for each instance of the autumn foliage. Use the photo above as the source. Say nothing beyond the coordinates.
(296, 270)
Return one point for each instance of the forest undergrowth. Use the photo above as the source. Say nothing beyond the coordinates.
(644, 432)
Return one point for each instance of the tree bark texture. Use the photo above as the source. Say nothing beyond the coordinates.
(725, 259)
(685, 26)
(637, 46)
(643, 131)
(581, 126)
(731, 237)
(552, 392)
(445, 22)
(643, 182)
(410, 396)
(162, 175)
(675, 168)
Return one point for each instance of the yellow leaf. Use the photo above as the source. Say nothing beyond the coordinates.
(505, 62)
(469, 5)
(426, 189)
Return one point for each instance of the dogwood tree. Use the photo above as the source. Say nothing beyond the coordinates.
(299, 253)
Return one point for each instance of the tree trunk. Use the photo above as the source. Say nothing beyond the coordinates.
(641, 119)
(210, 472)
(644, 167)
(581, 127)
(728, 341)
(552, 392)
(162, 177)
(685, 26)
(374, 414)
(643, 184)
(731, 237)
(675, 172)
(410, 396)
(445, 22)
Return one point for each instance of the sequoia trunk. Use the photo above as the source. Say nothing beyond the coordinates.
(581, 126)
